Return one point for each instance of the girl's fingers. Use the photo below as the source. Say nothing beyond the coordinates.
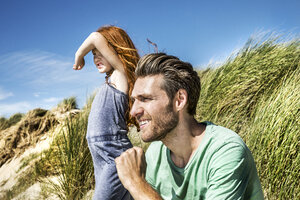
(76, 67)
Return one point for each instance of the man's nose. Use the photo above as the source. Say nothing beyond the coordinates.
(136, 109)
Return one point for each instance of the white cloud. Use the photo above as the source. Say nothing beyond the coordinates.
(4, 94)
(52, 100)
(34, 78)
(9, 109)
(37, 95)
(42, 68)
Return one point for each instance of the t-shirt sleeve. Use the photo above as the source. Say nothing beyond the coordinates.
(229, 172)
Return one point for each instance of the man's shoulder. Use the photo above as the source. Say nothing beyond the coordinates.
(220, 140)
(220, 134)
(223, 145)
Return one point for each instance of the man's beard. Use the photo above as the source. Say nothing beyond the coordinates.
(162, 124)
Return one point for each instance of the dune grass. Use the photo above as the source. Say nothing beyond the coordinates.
(68, 157)
(12, 120)
(236, 87)
(74, 166)
(68, 104)
(276, 139)
(256, 93)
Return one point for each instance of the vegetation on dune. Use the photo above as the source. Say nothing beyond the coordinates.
(256, 93)
(74, 165)
(14, 119)
(25, 133)
(30, 129)
(274, 137)
(238, 85)
(68, 157)
(67, 104)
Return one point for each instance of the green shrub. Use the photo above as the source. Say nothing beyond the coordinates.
(234, 89)
(12, 120)
(3, 123)
(275, 140)
(15, 118)
(74, 160)
(68, 104)
(256, 93)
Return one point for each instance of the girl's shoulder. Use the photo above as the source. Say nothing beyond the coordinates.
(119, 81)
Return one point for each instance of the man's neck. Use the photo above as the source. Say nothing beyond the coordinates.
(184, 140)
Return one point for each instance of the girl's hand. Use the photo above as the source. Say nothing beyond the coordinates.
(86, 46)
(79, 63)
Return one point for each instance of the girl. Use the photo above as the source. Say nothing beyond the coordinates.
(114, 54)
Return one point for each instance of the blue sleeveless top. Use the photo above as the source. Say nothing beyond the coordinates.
(107, 117)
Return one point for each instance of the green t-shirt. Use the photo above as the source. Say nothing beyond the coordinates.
(221, 168)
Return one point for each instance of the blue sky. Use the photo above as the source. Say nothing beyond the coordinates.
(38, 39)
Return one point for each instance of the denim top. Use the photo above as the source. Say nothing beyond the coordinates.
(107, 116)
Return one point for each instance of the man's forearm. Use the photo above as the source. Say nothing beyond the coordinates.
(143, 191)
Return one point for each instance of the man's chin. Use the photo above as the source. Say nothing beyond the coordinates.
(146, 137)
(150, 137)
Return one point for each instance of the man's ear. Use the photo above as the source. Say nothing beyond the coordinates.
(181, 99)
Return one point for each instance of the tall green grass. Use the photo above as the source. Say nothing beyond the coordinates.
(68, 158)
(234, 89)
(275, 139)
(74, 160)
(256, 93)
(67, 104)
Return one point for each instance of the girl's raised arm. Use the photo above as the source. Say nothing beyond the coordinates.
(98, 41)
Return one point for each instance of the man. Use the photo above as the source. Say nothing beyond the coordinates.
(186, 159)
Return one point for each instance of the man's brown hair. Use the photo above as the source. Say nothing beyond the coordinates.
(177, 75)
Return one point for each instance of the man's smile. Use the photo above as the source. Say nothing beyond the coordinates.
(143, 123)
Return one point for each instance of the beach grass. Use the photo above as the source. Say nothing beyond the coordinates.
(256, 93)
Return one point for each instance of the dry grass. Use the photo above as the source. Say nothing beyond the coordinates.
(256, 93)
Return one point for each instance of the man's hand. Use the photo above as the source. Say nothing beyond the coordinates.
(131, 167)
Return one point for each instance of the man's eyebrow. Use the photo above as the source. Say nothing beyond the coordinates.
(141, 95)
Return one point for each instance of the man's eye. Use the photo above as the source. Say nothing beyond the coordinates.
(144, 99)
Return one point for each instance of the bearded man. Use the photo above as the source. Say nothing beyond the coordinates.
(186, 159)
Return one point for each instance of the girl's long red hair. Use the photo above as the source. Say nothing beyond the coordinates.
(121, 43)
